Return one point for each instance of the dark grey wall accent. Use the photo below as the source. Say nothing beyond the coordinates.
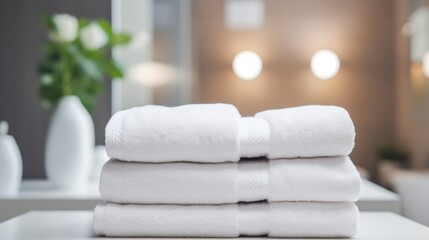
(21, 39)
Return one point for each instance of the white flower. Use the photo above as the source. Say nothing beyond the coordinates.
(66, 28)
(93, 36)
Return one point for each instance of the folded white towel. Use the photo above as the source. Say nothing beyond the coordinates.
(317, 179)
(217, 133)
(283, 219)
(309, 131)
(164, 134)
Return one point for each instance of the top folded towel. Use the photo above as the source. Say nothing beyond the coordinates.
(309, 131)
(185, 133)
(217, 133)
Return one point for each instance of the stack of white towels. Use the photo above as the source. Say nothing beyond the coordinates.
(205, 171)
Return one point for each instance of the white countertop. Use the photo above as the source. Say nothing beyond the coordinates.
(42, 189)
(372, 191)
(41, 195)
(376, 198)
(73, 225)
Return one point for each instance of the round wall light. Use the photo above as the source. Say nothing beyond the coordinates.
(247, 65)
(425, 64)
(325, 64)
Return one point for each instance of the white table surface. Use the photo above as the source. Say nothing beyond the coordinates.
(376, 198)
(42, 189)
(73, 225)
(41, 195)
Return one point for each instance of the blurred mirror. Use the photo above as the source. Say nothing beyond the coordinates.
(159, 61)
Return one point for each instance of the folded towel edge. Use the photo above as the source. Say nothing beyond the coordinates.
(98, 215)
(113, 134)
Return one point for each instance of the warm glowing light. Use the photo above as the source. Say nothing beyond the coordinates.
(325, 64)
(247, 65)
(152, 74)
(425, 64)
(409, 28)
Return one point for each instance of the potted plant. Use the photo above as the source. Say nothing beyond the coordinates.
(392, 158)
(72, 75)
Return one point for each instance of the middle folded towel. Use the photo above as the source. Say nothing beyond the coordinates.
(329, 179)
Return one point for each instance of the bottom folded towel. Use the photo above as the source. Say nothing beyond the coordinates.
(275, 219)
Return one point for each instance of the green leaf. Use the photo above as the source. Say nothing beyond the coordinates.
(82, 22)
(121, 39)
(87, 66)
(44, 67)
(48, 21)
(114, 38)
(50, 48)
(49, 65)
(105, 25)
(93, 55)
(87, 100)
(90, 68)
(113, 69)
(95, 87)
(50, 95)
(107, 28)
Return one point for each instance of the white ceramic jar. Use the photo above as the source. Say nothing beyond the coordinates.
(10, 163)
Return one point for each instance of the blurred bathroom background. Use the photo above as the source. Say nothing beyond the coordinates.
(190, 51)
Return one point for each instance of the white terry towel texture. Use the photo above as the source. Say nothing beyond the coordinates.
(328, 179)
(282, 219)
(217, 133)
(309, 131)
(185, 133)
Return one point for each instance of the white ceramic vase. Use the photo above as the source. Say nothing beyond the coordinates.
(70, 144)
(10, 163)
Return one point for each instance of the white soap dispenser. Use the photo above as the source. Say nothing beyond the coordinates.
(10, 163)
